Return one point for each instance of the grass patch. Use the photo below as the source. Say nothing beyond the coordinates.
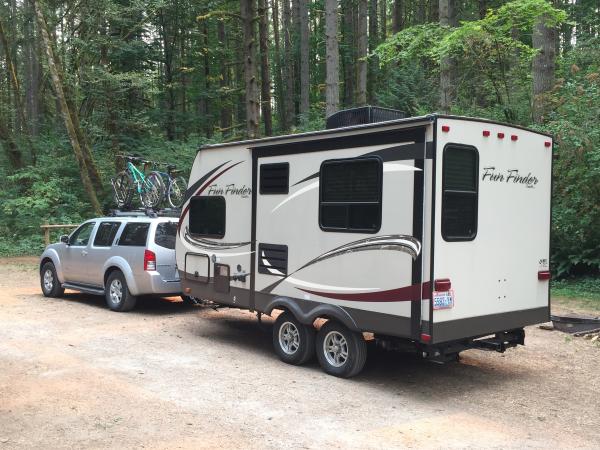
(581, 292)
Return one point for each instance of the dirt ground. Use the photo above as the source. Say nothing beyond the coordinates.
(75, 375)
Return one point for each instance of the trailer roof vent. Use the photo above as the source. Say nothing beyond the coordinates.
(362, 116)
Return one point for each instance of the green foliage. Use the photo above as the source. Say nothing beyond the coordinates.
(584, 288)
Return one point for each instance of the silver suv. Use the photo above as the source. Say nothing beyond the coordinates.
(118, 257)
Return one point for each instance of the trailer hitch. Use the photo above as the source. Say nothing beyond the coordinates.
(501, 341)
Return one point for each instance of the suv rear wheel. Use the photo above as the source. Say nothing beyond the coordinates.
(118, 297)
(49, 281)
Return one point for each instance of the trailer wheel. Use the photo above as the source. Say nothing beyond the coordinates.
(340, 351)
(50, 284)
(293, 341)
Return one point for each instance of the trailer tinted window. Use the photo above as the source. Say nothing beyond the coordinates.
(459, 190)
(134, 234)
(350, 195)
(106, 234)
(207, 216)
(165, 235)
(274, 178)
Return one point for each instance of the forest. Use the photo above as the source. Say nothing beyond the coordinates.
(82, 81)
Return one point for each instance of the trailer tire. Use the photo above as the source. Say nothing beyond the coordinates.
(116, 292)
(340, 351)
(293, 341)
(49, 282)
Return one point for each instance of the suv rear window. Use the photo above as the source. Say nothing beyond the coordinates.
(165, 235)
(135, 234)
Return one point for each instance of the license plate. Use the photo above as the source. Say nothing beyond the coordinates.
(443, 300)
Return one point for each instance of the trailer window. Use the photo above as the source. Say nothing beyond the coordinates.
(207, 216)
(460, 191)
(274, 178)
(350, 195)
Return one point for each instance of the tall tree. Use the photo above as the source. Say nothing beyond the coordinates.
(397, 16)
(304, 58)
(544, 41)
(373, 42)
(279, 88)
(447, 12)
(332, 58)
(54, 69)
(349, 50)
(288, 67)
(361, 53)
(248, 12)
(265, 74)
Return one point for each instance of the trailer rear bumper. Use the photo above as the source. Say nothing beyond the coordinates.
(475, 327)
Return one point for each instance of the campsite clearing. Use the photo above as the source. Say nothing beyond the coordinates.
(75, 374)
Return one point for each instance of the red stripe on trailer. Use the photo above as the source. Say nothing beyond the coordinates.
(403, 294)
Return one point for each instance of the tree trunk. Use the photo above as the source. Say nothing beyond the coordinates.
(332, 58)
(447, 13)
(304, 57)
(397, 16)
(168, 66)
(13, 153)
(349, 54)
(32, 71)
(248, 11)
(383, 26)
(265, 76)
(482, 6)
(54, 70)
(361, 93)
(225, 113)
(278, 78)
(543, 66)
(288, 67)
(373, 42)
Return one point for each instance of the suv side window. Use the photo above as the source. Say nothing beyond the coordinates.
(81, 236)
(134, 234)
(105, 235)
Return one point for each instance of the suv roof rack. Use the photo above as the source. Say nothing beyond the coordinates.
(148, 212)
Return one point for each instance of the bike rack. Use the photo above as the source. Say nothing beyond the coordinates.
(148, 212)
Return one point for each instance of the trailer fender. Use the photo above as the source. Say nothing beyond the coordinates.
(307, 312)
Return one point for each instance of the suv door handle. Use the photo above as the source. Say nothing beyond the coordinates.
(83, 252)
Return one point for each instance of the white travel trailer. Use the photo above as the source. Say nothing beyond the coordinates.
(429, 232)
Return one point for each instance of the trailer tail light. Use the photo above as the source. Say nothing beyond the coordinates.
(426, 338)
(514, 137)
(442, 285)
(486, 133)
(543, 275)
(547, 144)
(500, 135)
(445, 128)
(149, 260)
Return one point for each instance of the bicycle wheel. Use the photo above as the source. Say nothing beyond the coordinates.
(123, 189)
(176, 192)
(153, 190)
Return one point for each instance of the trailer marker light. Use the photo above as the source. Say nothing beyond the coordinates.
(543, 275)
(445, 128)
(425, 337)
(547, 144)
(500, 135)
(514, 137)
(486, 133)
(442, 285)
(149, 260)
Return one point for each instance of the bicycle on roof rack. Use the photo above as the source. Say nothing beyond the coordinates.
(174, 185)
(150, 188)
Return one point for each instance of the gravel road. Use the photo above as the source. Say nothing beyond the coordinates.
(75, 375)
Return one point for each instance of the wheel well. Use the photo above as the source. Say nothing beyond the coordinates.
(44, 261)
(109, 271)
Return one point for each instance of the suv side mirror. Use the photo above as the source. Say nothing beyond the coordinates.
(65, 239)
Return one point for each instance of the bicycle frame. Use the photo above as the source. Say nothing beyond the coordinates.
(138, 176)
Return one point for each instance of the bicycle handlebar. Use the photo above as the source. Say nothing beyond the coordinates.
(145, 161)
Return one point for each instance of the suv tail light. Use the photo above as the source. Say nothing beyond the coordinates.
(149, 260)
